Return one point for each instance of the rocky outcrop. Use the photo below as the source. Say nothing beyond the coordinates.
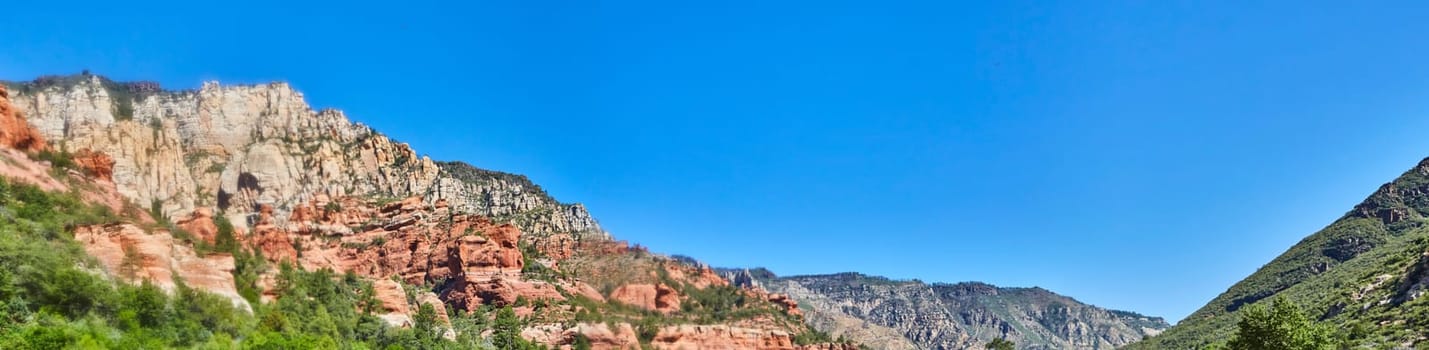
(679, 337)
(395, 310)
(236, 148)
(98, 166)
(312, 189)
(439, 307)
(727, 337)
(131, 253)
(510, 197)
(654, 297)
(601, 336)
(474, 261)
(470, 292)
(15, 132)
(201, 224)
(273, 241)
(890, 314)
(17, 165)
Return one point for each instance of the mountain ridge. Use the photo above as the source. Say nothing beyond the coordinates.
(894, 313)
(1363, 272)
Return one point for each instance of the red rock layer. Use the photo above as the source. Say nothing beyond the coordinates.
(730, 338)
(15, 132)
(135, 255)
(200, 224)
(478, 261)
(655, 297)
(95, 164)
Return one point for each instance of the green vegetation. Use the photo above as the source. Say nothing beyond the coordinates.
(473, 175)
(1280, 327)
(51, 297)
(123, 95)
(1354, 274)
(710, 305)
(224, 240)
(156, 212)
(812, 336)
(1001, 344)
(506, 331)
(532, 268)
(61, 161)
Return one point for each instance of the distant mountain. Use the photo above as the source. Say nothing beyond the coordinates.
(892, 314)
(1367, 273)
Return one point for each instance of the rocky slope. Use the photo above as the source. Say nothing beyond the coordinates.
(1366, 273)
(239, 181)
(890, 314)
(15, 132)
(235, 148)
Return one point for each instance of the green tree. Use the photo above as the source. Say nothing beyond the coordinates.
(1001, 344)
(581, 343)
(426, 326)
(506, 331)
(224, 241)
(1282, 326)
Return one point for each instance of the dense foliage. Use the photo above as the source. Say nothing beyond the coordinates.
(1001, 344)
(1281, 326)
(53, 296)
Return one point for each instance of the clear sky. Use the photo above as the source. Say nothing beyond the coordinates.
(1140, 155)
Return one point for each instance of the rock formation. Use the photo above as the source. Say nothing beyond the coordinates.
(726, 337)
(137, 255)
(888, 314)
(236, 148)
(15, 132)
(654, 297)
(313, 189)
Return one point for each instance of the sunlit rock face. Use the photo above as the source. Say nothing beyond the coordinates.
(313, 190)
(892, 314)
(235, 148)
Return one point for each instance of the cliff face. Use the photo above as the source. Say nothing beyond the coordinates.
(315, 190)
(235, 148)
(243, 179)
(891, 314)
(15, 133)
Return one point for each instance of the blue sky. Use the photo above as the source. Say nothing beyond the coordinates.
(1135, 155)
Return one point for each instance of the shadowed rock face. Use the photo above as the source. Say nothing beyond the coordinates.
(890, 314)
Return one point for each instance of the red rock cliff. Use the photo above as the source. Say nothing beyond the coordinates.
(15, 132)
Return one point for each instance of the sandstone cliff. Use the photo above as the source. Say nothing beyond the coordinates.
(235, 148)
(15, 132)
(253, 171)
